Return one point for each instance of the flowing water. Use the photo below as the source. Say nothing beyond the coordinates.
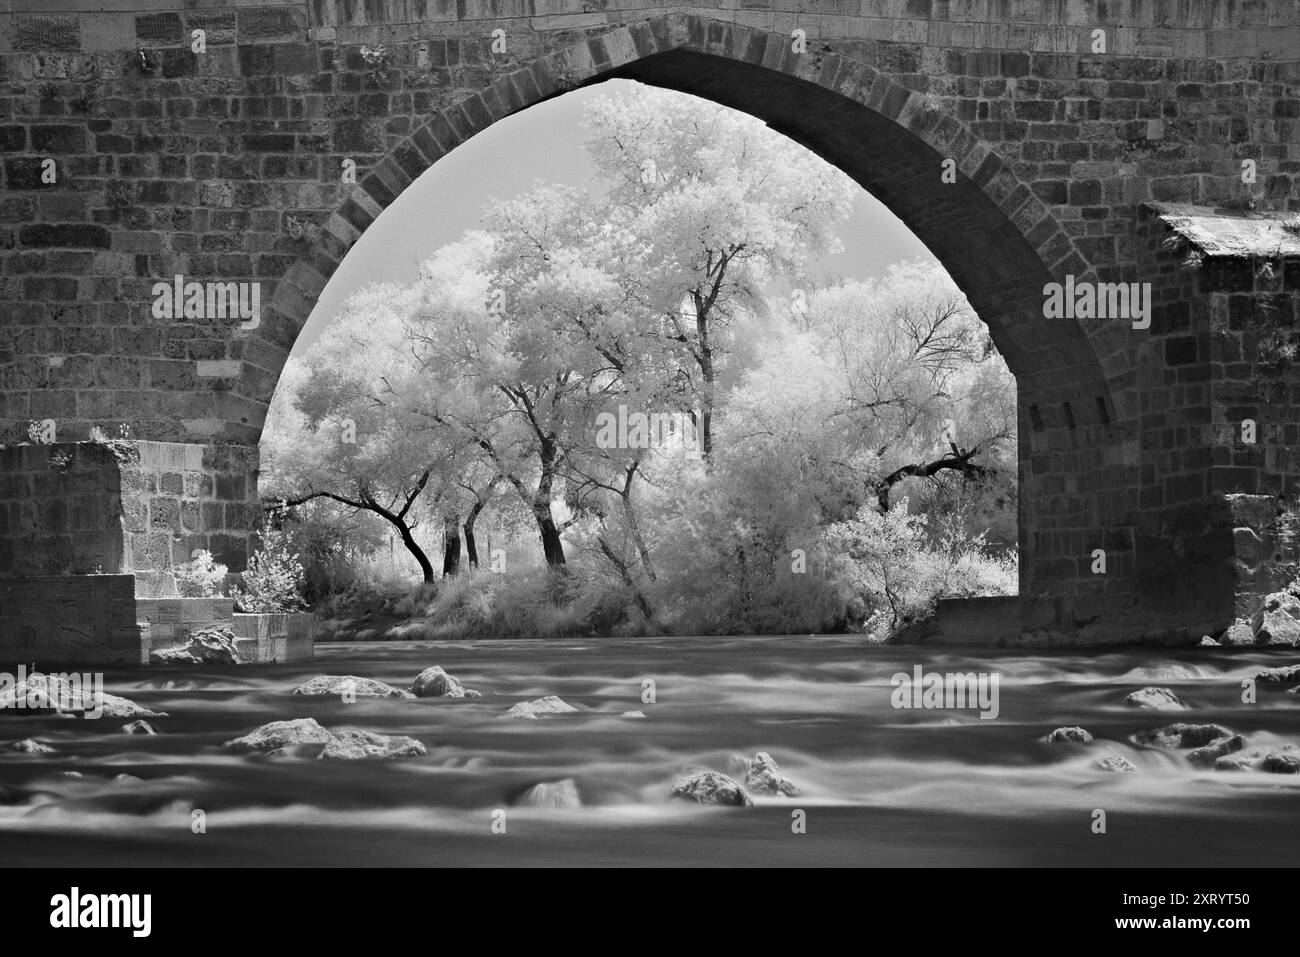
(881, 785)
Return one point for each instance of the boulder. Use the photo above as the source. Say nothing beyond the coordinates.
(1154, 699)
(211, 646)
(1271, 760)
(281, 734)
(1208, 642)
(713, 789)
(57, 694)
(1288, 674)
(434, 682)
(1237, 635)
(632, 714)
(1114, 762)
(1208, 756)
(349, 745)
(31, 746)
(551, 794)
(765, 774)
(1278, 621)
(138, 727)
(1181, 735)
(1075, 735)
(550, 704)
(339, 685)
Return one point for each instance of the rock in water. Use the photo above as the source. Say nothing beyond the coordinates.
(31, 746)
(1238, 635)
(138, 727)
(61, 696)
(1281, 762)
(1278, 621)
(1115, 762)
(1283, 676)
(1073, 735)
(548, 705)
(1274, 760)
(632, 714)
(211, 646)
(712, 788)
(351, 745)
(434, 682)
(1155, 699)
(764, 774)
(1208, 642)
(1207, 756)
(281, 734)
(552, 794)
(340, 685)
(1182, 735)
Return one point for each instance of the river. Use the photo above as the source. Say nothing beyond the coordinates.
(881, 785)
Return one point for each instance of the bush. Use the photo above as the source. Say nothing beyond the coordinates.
(201, 577)
(899, 575)
(274, 580)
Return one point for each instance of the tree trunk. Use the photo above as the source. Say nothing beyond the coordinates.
(426, 566)
(471, 547)
(641, 601)
(451, 545)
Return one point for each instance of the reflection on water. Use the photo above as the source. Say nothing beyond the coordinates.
(880, 785)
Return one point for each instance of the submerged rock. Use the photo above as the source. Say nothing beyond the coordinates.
(281, 734)
(1278, 620)
(713, 789)
(552, 794)
(1115, 762)
(1182, 735)
(1283, 676)
(211, 646)
(632, 714)
(31, 746)
(1155, 699)
(1205, 757)
(434, 682)
(1269, 760)
(339, 685)
(551, 704)
(1073, 734)
(349, 745)
(138, 727)
(765, 774)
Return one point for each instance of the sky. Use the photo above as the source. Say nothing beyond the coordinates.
(543, 142)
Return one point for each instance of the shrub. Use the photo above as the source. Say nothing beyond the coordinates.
(274, 580)
(201, 577)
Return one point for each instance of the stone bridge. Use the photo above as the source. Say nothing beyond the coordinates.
(1025, 142)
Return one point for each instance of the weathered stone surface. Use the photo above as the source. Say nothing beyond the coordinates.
(281, 734)
(711, 788)
(211, 646)
(551, 704)
(1116, 763)
(434, 682)
(31, 746)
(1182, 735)
(350, 745)
(1075, 735)
(1207, 756)
(551, 794)
(59, 695)
(1267, 760)
(1278, 621)
(1287, 674)
(1208, 642)
(340, 685)
(1239, 634)
(1155, 699)
(764, 774)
